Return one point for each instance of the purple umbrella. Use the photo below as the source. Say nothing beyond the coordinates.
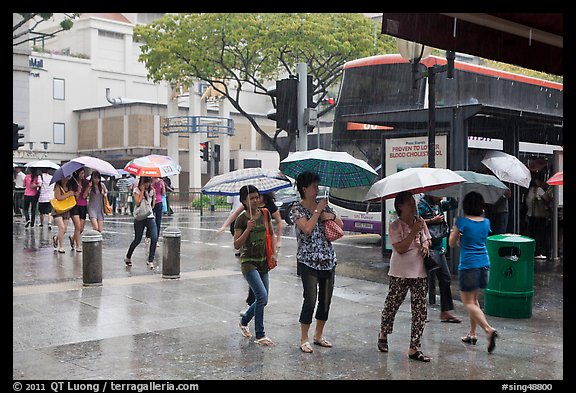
(93, 163)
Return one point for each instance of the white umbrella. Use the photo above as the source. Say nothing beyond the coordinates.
(43, 164)
(488, 186)
(508, 168)
(415, 180)
(265, 180)
(335, 168)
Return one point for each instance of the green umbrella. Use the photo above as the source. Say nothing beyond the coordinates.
(489, 186)
(335, 168)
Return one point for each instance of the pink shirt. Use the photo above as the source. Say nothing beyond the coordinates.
(411, 263)
(30, 189)
(80, 200)
(158, 190)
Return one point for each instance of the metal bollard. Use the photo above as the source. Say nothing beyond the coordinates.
(171, 253)
(92, 258)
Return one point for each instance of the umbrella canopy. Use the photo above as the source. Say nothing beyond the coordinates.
(153, 165)
(507, 168)
(43, 164)
(231, 183)
(557, 179)
(336, 169)
(415, 180)
(488, 186)
(93, 163)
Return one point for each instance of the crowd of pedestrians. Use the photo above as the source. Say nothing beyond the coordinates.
(412, 236)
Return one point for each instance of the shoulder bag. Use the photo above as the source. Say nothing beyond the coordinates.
(272, 262)
(332, 231)
(62, 206)
(431, 261)
(106, 205)
(143, 210)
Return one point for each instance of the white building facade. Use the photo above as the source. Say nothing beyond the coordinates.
(85, 93)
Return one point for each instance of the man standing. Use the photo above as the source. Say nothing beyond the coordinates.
(124, 187)
(431, 209)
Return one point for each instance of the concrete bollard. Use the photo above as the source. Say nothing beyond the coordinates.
(171, 253)
(92, 258)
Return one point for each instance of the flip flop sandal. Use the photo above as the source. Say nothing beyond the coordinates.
(306, 347)
(418, 355)
(451, 320)
(264, 341)
(245, 330)
(323, 343)
(55, 241)
(469, 339)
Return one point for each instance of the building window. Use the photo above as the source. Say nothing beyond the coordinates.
(248, 163)
(59, 130)
(59, 89)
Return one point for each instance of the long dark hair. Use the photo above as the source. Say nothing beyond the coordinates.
(97, 174)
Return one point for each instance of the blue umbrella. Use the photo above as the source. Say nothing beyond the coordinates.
(93, 163)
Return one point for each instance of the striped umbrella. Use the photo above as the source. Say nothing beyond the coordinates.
(336, 169)
(230, 183)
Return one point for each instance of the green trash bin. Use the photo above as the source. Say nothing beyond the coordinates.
(511, 280)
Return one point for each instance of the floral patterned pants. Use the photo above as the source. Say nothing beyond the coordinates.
(397, 291)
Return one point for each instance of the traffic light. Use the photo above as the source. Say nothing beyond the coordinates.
(205, 150)
(16, 136)
(286, 113)
(216, 152)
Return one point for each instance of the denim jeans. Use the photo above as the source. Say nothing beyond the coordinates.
(150, 225)
(258, 282)
(317, 284)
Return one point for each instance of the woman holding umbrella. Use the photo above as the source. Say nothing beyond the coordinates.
(79, 184)
(144, 193)
(250, 239)
(410, 244)
(316, 258)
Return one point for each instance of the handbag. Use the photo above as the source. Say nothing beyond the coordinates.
(106, 205)
(439, 231)
(164, 204)
(271, 262)
(64, 205)
(332, 231)
(431, 262)
(143, 210)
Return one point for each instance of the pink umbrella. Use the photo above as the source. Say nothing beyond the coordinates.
(557, 179)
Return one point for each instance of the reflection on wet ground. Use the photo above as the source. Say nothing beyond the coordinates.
(138, 325)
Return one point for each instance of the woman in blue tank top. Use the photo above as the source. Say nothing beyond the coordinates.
(469, 233)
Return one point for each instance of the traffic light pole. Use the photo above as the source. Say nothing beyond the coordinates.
(302, 102)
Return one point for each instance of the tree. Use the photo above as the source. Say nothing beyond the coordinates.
(249, 50)
(20, 36)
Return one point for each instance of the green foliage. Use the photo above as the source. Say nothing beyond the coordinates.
(220, 202)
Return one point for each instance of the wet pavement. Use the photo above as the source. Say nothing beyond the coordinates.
(140, 326)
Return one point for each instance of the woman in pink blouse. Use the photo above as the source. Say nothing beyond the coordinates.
(31, 193)
(410, 241)
(79, 185)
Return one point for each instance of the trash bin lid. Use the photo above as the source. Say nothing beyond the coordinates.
(510, 237)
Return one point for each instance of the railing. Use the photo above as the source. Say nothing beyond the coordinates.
(178, 202)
